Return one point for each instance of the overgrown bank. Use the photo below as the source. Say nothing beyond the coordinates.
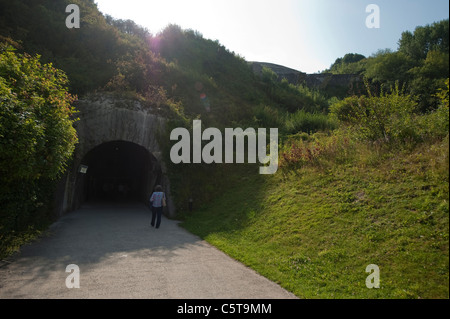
(314, 229)
(374, 191)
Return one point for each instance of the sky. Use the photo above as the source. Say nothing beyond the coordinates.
(306, 35)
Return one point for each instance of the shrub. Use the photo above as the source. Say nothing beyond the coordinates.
(36, 132)
(37, 138)
(437, 122)
(302, 121)
(266, 116)
(292, 123)
(389, 117)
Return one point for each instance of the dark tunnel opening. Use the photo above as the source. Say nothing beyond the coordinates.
(119, 171)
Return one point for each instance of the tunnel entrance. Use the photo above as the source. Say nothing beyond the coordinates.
(120, 171)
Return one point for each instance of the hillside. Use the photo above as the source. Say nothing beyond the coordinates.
(177, 71)
(293, 76)
(316, 228)
(363, 147)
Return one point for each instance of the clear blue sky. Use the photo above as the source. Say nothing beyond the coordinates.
(307, 35)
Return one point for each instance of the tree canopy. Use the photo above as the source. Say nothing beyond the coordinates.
(420, 63)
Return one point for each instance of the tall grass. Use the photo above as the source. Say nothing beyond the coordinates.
(292, 123)
(302, 121)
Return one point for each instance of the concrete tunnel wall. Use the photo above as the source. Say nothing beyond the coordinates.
(107, 124)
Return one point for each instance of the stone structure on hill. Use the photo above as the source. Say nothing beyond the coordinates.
(324, 81)
(118, 157)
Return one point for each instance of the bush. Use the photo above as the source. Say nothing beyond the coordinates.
(36, 125)
(440, 118)
(266, 116)
(388, 118)
(302, 121)
(292, 123)
(37, 138)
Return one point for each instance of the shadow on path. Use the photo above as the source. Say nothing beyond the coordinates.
(121, 256)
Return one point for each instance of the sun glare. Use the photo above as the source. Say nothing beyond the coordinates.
(156, 15)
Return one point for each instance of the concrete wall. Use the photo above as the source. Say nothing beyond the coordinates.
(105, 118)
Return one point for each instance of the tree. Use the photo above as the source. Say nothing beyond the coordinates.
(352, 58)
(428, 78)
(388, 117)
(37, 136)
(388, 68)
(424, 39)
(351, 63)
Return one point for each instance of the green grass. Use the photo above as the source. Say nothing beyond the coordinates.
(314, 229)
(11, 242)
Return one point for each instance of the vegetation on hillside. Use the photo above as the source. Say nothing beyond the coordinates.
(363, 179)
(366, 193)
(420, 64)
(318, 223)
(177, 71)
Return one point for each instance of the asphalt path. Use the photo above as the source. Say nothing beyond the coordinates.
(119, 255)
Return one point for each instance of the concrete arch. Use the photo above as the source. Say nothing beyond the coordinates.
(119, 171)
(106, 123)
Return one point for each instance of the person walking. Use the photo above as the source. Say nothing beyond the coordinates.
(157, 201)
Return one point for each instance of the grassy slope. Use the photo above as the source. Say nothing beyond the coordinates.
(315, 229)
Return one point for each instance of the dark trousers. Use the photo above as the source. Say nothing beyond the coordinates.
(156, 214)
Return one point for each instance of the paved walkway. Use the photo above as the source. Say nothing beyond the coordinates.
(120, 256)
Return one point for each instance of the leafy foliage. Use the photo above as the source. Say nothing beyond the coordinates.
(37, 136)
(388, 117)
(292, 123)
(420, 64)
(427, 38)
(351, 63)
